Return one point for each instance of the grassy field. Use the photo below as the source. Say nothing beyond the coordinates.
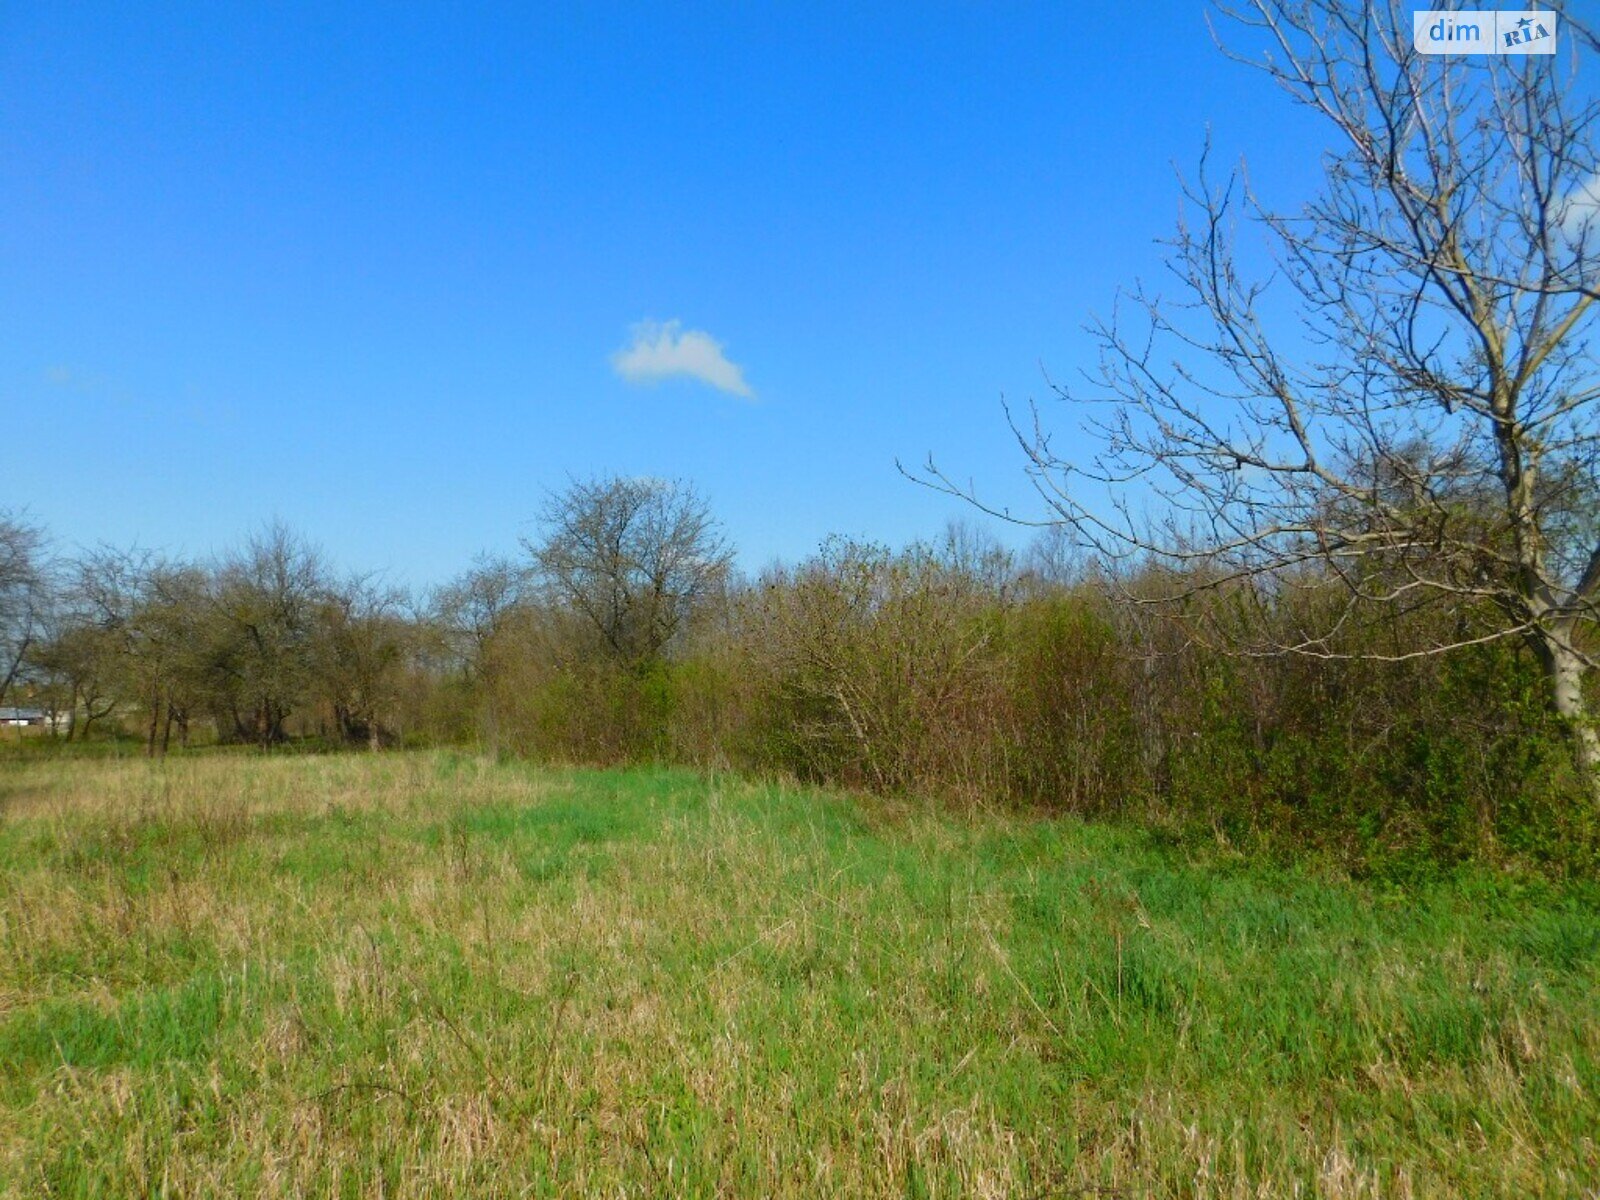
(411, 975)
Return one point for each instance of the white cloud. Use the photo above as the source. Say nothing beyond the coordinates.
(1578, 213)
(659, 350)
(1576, 218)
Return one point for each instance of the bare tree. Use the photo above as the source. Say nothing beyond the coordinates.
(631, 557)
(24, 593)
(472, 608)
(139, 628)
(1402, 406)
(362, 636)
(975, 553)
(268, 597)
(470, 616)
(79, 663)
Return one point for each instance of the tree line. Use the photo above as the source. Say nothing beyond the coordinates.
(114, 638)
(954, 671)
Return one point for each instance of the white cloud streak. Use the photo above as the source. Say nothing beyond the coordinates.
(658, 350)
(1578, 213)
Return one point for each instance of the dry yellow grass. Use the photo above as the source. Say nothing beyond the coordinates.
(429, 975)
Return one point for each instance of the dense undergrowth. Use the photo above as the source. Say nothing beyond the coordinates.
(912, 674)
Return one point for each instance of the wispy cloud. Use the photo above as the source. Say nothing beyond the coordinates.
(185, 402)
(659, 350)
(1577, 213)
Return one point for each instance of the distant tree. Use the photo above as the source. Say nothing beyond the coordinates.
(471, 616)
(182, 617)
(79, 664)
(143, 631)
(631, 557)
(24, 594)
(267, 597)
(1055, 557)
(473, 608)
(360, 651)
(1416, 425)
(974, 553)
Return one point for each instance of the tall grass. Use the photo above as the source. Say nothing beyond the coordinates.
(432, 974)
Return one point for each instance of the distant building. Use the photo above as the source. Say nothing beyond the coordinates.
(15, 717)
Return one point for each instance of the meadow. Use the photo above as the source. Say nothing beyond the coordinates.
(435, 974)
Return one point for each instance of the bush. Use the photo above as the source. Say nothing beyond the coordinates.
(918, 674)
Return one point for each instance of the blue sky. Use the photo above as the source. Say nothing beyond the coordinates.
(376, 270)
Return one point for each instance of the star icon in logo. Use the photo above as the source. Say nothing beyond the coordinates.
(1524, 23)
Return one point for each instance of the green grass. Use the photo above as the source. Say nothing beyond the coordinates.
(426, 974)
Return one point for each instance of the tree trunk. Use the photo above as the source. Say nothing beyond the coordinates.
(155, 723)
(1564, 672)
(16, 666)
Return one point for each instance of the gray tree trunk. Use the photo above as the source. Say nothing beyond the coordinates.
(1564, 673)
